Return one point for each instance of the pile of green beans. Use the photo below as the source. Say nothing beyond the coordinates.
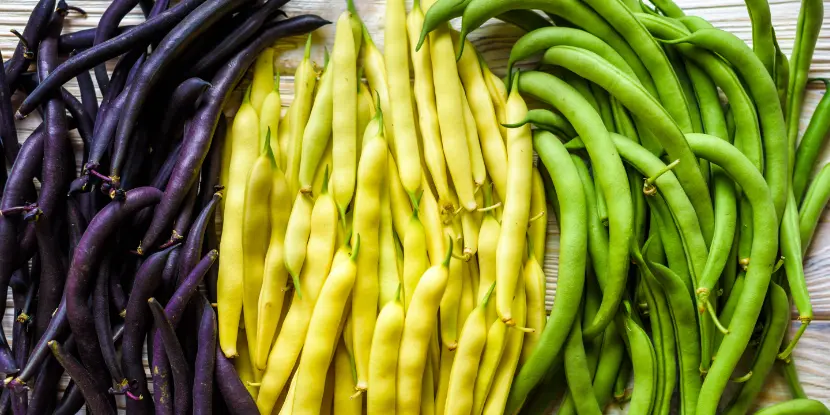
(697, 210)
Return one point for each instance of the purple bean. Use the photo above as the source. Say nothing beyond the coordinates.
(175, 355)
(8, 133)
(107, 27)
(212, 167)
(21, 291)
(238, 398)
(89, 98)
(146, 7)
(192, 248)
(35, 30)
(82, 39)
(136, 38)
(205, 361)
(182, 223)
(163, 175)
(103, 328)
(183, 102)
(52, 275)
(203, 123)
(76, 223)
(45, 391)
(106, 130)
(71, 402)
(177, 41)
(97, 400)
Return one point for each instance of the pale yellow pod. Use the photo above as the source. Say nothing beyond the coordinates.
(424, 93)
(498, 95)
(305, 78)
(537, 232)
(243, 366)
(536, 316)
(365, 112)
(470, 227)
(296, 236)
(229, 286)
(317, 133)
(389, 275)
(344, 120)
(284, 137)
(286, 349)
(348, 337)
(516, 206)
(366, 223)
(447, 359)
(323, 172)
(326, 407)
(435, 355)
(452, 298)
(490, 358)
(288, 404)
(476, 158)
(256, 233)
(468, 297)
(475, 278)
(263, 82)
(428, 391)
(320, 339)
(420, 323)
(484, 112)
(374, 69)
(489, 237)
(401, 206)
(431, 218)
(344, 383)
(500, 389)
(415, 260)
(269, 117)
(383, 362)
(396, 54)
(275, 276)
(466, 365)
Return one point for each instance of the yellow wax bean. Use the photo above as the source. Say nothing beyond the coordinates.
(431, 219)
(344, 120)
(305, 78)
(428, 391)
(263, 82)
(286, 349)
(284, 136)
(415, 260)
(383, 362)
(275, 275)
(243, 367)
(317, 133)
(401, 207)
(447, 359)
(375, 70)
(516, 206)
(468, 297)
(321, 176)
(288, 405)
(326, 407)
(344, 384)
(452, 299)
(296, 235)
(418, 329)
(536, 316)
(470, 227)
(256, 232)
(389, 278)
(365, 112)
(497, 398)
(490, 358)
(476, 158)
(498, 95)
(538, 230)
(366, 223)
(229, 285)
(424, 93)
(489, 237)
(269, 117)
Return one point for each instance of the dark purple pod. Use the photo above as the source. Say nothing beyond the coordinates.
(205, 362)
(34, 31)
(97, 400)
(212, 167)
(185, 217)
(183, 101)
(175, 356)
(237, 398)
(82, 39)
(52, 275)
(8, 132)
(103, 327)
(192, 248)
(107, 27)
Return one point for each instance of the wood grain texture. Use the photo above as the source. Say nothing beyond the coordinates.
(493, 41)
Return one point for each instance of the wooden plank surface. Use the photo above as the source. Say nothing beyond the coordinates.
(494, 40)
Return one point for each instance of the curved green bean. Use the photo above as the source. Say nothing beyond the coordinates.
(810, 146)
(791, 250)
(762, 39)
(597, 233)
(577, 373)
(643, 364)
(818, 194)
(796, 406)
(547, 120)
(810, 19)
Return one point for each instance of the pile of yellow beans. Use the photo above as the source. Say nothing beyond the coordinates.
(382, 241)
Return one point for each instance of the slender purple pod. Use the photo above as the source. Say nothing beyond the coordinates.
(83, 120)
(86, 257)
(238, 398)
(5, 402)
(45, 391)
(71, 402)
(117, 296)
(146, 7)
(105, 130)
(57, 327)
(169, 275)
(97, 400)
(192, 248)
(163, 175)
(205, 361)
(107, 27)
(82, 39)
(175, 356)
(204, 122)
(101, 310)
(34, 31)
(176, 41)
(8, 132)
(89, 98)
(182, 103)
(52, 275)
(212, 167)
(138, 37)
(185, 217)
(118, 81)
(239, 36)
(147, 280)
(159, 7)
(76, 223)
(22, 291)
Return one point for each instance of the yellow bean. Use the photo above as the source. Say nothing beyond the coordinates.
(490, 358)
(452, 299)
(269, 117)
(538, 230)
(489, 237)
(344, 120)
(256, 232)
(263, 82)
(476, 158)
(389, 278)
(355, 24)
(447, 359)
(323, 170)
(365, 112)
(275, 276)
(431, 219)
(344, 383)
(498, 94)
(424, 92)
(401, 207)
(516, 206)
(317, 132)
(383, 362)
(229, 285)
(474, 276)
(470, 227)
(466, 365)
(284, 136)
(418, 329)
(328, 392)
(468, 297)
(305, 78)
(366, 223)
(375, 70)
(321, 339)
(296, 236)
(428, 391)
(288, 405)
(497, 398)
(415, 260)
(348, 339)
(243, 367)
(489, 133)
(286, 349)
(536, 316)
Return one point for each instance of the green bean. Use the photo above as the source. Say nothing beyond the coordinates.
(610, 172)
(688, 89)
(577, 373)
(762, 88)
(527, 20)
(774, 329)
(547, 120)
(669, 8)
(597, 234)
(759, 270)
(781, 72)
(686, 334)
(796, 406)
(791, 250)
(573, 246)
(643, 363)
(810, 146)
(791, 376)
(671, 241)
(604, 103)
(648, 110)
(762, 39)
(621, 382)
(730, 271)
(610, 358)
(810, 19)
(818, 194)
(728, 310)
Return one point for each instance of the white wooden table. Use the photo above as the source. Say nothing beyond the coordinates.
(494, 41)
